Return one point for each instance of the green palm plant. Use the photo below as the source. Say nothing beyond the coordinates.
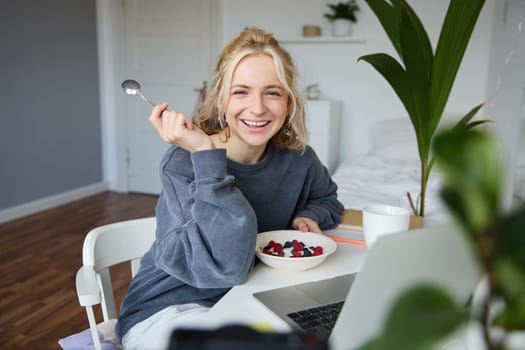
(424, 79)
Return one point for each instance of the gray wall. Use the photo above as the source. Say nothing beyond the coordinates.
(50, 137)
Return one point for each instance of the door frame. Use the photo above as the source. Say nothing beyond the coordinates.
(110, 39)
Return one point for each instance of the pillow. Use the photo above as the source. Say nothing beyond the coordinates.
(392, 131)
(395, 139)
(401, 152)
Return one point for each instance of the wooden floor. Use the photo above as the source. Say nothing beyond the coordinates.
(39, 257)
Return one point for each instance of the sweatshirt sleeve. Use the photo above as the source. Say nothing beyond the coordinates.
(206, 229)
(322, 204)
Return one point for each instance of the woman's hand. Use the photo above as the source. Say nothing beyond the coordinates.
(175, 128)
(305, 224)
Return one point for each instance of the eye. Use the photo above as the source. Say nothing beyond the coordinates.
(239, 92)
(274, 93)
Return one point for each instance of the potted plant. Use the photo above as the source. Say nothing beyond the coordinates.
(424, 78)
(342, 16)
(471, 163)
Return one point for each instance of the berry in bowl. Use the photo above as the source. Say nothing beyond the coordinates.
(293, 250)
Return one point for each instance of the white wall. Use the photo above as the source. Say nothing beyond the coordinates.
(506, 88)
(365, 95)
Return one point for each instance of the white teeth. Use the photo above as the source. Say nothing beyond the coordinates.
(255, 123)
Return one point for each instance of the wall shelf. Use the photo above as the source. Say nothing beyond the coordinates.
(322, 40)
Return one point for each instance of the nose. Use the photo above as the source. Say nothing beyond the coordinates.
(257, 106)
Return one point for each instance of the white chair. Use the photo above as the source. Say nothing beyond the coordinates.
(103, 247)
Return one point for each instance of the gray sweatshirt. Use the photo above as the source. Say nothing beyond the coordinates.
(208, 215)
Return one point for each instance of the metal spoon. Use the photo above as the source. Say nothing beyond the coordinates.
(132, 87)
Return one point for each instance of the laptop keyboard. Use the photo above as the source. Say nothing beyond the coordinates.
(319, 320)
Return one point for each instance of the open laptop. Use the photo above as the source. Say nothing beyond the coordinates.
(436, 254)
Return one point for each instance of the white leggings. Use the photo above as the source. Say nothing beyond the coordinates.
(154, 332)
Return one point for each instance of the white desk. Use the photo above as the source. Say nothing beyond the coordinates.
(240, 307)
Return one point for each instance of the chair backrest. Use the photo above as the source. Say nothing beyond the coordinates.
(112, 244)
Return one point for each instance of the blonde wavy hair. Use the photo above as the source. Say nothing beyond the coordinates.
(254, 41)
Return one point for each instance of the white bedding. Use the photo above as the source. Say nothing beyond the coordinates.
(372, 179)
(388, 171)
(392, 168)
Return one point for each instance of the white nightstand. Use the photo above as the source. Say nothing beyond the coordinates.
(323, 121)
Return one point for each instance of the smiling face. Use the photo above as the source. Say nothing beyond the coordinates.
(257, 104)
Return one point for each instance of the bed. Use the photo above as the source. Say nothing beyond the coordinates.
(391, 168)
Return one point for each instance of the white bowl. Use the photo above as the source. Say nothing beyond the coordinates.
(294, 263)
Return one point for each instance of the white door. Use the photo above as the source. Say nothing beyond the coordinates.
(170, 46)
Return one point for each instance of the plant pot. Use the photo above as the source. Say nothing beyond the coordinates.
(341, 27)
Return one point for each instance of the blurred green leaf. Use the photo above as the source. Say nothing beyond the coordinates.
(513, 316)
(510, 279)
(509, 269)
(471, 167)
(511, 242)
(453, 200)
(419, 318)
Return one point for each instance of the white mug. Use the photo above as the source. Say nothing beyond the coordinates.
(380, 219)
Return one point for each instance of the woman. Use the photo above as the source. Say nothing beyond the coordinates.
(240, 168)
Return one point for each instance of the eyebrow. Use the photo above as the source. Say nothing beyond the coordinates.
(266, 87)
